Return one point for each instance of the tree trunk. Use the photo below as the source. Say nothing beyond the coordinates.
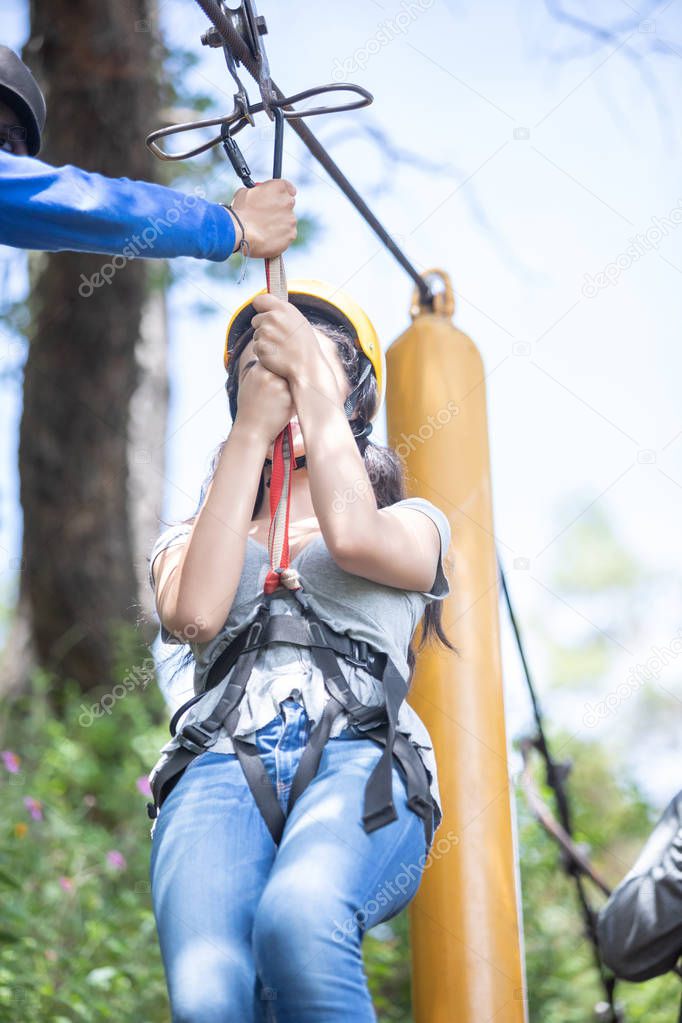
(92, 360)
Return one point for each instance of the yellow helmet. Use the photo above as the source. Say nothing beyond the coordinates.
(331, 304)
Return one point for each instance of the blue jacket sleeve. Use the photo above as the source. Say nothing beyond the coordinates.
(66, 208)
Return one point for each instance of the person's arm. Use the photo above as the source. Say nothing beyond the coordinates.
(393, 546)
(68, 209)
(640, 927)
(195, 582)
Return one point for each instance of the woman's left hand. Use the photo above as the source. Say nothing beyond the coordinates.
(284, 341)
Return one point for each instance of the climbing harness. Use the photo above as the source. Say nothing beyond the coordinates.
(326, 645)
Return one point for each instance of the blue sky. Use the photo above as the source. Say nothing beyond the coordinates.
(559, 163)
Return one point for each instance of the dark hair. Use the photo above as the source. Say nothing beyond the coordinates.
(384, 467)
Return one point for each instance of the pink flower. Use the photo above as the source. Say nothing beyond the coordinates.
(116, 859)
(35, 807)
(10, 760)
(66, 883)
(143, 785)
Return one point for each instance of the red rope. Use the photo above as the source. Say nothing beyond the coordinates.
(277, 483)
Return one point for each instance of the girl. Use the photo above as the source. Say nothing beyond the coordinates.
(256, 924)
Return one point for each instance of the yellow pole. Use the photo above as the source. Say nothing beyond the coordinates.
(464, 922)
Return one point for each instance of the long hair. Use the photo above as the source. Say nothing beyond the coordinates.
(384, 467)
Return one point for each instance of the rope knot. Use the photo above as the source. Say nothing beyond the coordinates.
(287, 577)
(290, 578)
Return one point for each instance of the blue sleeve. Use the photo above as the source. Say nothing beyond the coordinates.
(66, 208)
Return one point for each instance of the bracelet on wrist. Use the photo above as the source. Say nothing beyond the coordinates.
(243, 246)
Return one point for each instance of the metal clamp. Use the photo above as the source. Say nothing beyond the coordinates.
(195, 738)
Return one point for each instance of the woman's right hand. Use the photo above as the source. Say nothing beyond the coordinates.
(265, 404)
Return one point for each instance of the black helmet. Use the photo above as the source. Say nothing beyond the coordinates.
(20, 91)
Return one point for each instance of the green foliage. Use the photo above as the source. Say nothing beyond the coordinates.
(612, 822)
(78, 940)
(604, 593)
(386, 951)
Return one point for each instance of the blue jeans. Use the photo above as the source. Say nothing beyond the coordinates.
(252, 932)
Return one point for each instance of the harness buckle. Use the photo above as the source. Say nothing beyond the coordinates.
(422, 807)
(362, 656)
(195, 738)
(254, 632)
(317, 634)
(378, 818)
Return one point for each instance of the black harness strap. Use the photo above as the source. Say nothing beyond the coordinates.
(379, 809)
(312, 754)
(253, 767)
(285, 629)
(310, 631)
(197, 738)
(261, 787)
(419, 797)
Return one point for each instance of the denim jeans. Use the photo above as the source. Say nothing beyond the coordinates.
(256, 933)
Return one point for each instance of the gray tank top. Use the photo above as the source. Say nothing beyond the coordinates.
(384, 616)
